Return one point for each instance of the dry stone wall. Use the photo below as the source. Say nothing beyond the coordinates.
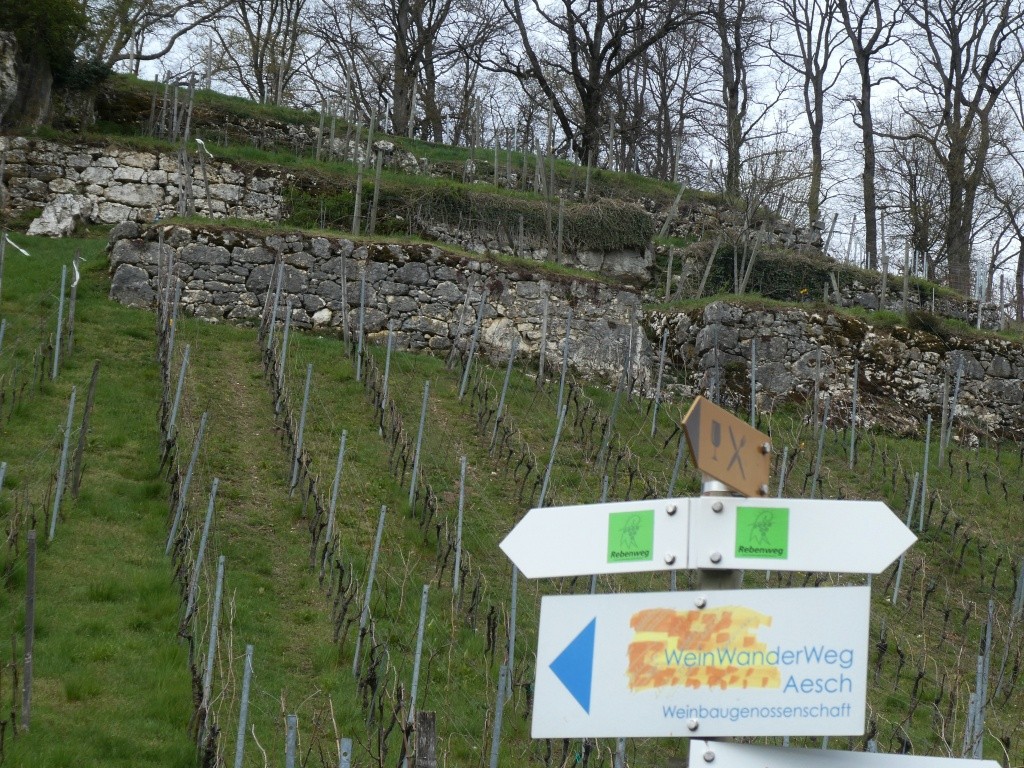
(487, 238)
(901, 371)
(105, 184)
(697, 218)
(227, 275)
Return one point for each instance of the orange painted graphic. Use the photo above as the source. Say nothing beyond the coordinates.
(717, 647)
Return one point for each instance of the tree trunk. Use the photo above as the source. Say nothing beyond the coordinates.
(958, 223)
(401, 104)
(814, 190)
(816, 121)
(8, 72)
(31, 107)
(591, 129)
(428, 98)
(868, 177)
(732, 65)
(734, 140)
(1019, 280)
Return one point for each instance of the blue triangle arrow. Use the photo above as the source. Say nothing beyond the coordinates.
(574, 666)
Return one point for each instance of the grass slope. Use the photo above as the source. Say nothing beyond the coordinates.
(111, 674)
(108, 687)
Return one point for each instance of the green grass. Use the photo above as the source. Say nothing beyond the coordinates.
(138, 91)
(108, 670)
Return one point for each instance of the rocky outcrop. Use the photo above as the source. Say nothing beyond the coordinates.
(226, 275)
(8, 72)
(114, 184)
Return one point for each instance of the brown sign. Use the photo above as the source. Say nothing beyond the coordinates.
(727, 448)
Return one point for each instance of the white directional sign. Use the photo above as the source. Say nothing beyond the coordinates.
(795, 535)
(703, 664)
(720, 754)
(708, 532)
(623, 537)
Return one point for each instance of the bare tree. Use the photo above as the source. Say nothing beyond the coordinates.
(652, 102)
(967, 54)
(741, 32)
(814, 28)
(578, 50)
(264, 46)
(1007, 181)
(359, 65)
(405, 33)
(870, 30)
(454, 77)
(424, 53)
(915, 196)
(120, 30)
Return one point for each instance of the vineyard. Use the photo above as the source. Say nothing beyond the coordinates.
(262, 546)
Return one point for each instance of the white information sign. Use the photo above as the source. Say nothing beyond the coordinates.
(795, 535)
(718, 663)
(620, 537)
(707, 532)
(721, 754)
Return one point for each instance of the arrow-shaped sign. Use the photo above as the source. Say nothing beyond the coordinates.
(707, 532)
(720, 754)
(621, 537)
(795, 535)
(727, 448)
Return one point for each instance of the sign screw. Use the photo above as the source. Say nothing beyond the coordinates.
(709, 756)
(763, 489)
(716, 557)
(700, 602)
(766, 448)
(671, 509)
(692, 724)
(717, 507)
(670, 558)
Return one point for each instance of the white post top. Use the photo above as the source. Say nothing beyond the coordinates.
(709, 485)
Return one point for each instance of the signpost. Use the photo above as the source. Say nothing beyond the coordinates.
(719, 754)
(713, 663)
(720, 663)
(710, 533)
(795, 535)
(624, 537)
(727, 448)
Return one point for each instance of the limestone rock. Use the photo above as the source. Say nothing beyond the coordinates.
(131, 286)
(113, 213)
(8, 72)
(60, 216)
(125, 229)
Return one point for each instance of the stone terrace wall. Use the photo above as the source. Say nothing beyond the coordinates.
(901, 371)
(226, 275)
(697, 219)
(108, 185)
(858, 295)
(628, 265)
